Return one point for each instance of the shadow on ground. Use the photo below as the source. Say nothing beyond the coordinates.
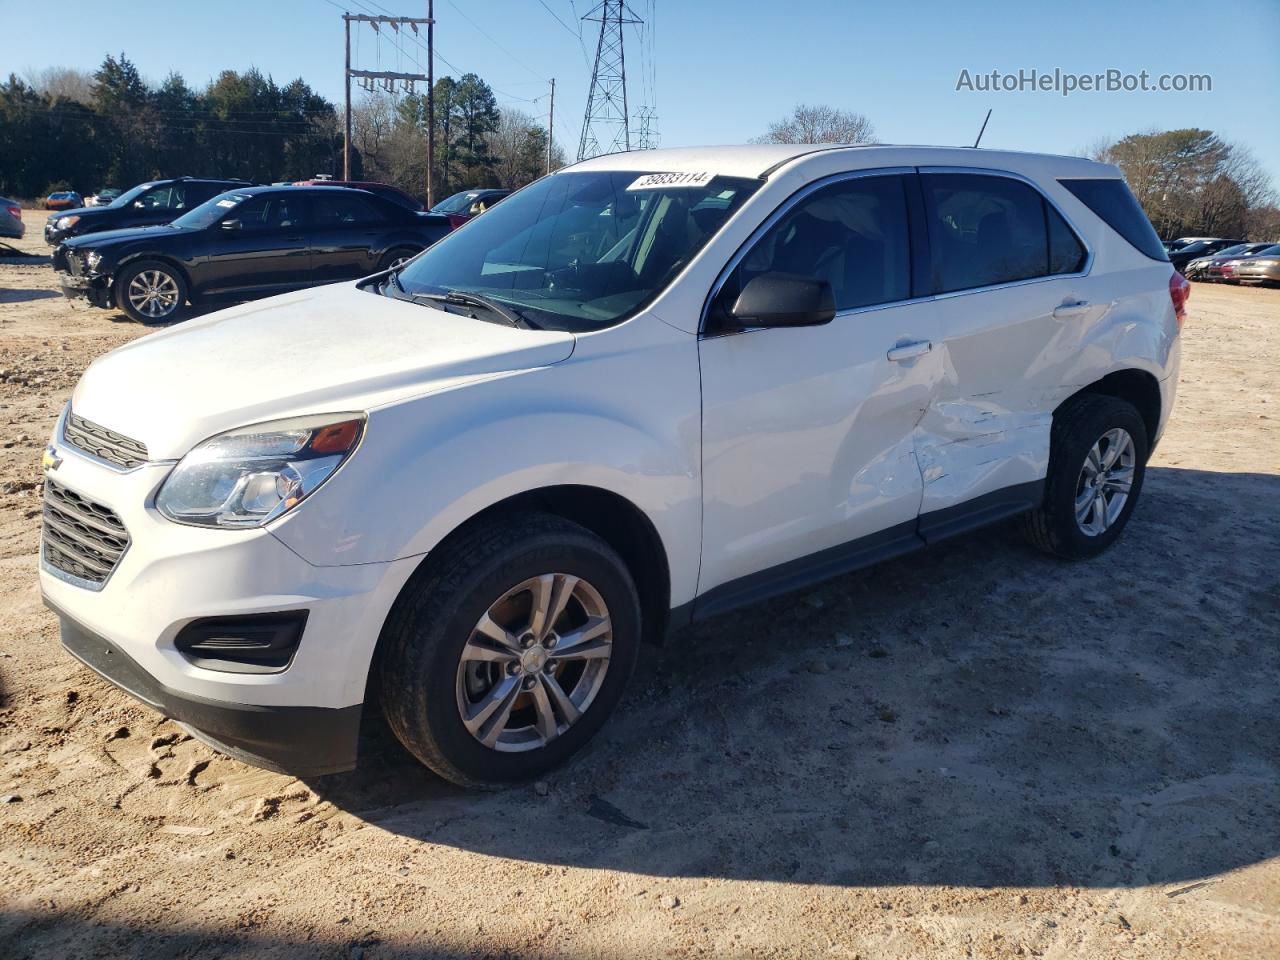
(22, 296)
(977, 714)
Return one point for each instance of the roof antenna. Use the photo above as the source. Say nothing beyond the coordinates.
(983, 130)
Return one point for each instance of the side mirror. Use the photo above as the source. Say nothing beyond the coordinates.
(477, 209)
(230, 224)
(783, 300)
(137, 204)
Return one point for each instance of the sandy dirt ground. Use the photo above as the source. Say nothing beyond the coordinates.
(972, 752)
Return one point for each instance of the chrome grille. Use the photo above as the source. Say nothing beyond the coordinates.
(80, 538)
(103, 443)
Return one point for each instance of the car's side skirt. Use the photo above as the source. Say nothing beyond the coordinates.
(927, 529)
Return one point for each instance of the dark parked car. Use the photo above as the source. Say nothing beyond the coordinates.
(1200, 248)
(243, 244)
(148, 204)
(11, 224)
(466, 204)
(384, 190)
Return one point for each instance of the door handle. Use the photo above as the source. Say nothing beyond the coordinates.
(909, 351)
(1066, 311)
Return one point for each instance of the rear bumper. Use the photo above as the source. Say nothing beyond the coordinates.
(302, 741)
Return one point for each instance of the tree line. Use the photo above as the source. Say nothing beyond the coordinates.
(68, 129)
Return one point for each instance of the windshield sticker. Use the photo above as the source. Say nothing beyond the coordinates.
(226, 203)
(659, 181)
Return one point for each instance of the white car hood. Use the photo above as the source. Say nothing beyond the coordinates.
(327, 350)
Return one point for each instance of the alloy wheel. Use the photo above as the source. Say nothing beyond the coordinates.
(534, 662)
(153, 293)
(1105, 480)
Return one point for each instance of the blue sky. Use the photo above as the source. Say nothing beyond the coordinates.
(722, 70)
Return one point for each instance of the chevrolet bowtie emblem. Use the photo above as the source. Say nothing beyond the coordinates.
(50, 460)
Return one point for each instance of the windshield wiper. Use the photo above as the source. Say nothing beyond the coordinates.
(460, 298)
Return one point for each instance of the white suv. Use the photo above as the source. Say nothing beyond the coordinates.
(644, 390)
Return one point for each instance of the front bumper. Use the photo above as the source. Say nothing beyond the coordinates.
(302, 719)
(302, 741)
(95, 289)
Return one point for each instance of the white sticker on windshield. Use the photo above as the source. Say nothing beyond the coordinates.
(226, 203)
(659, 181)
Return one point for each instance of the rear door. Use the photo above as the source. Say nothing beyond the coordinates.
(1007, 272)
(267, 253)
(809, 463)
(347, 226)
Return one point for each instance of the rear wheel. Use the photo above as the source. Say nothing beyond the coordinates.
(509, 650)
(151, 292)
(1097, 462)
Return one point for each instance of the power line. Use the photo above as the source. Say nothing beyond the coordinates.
(490, 38)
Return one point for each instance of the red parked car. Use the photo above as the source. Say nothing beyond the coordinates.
(384, 190)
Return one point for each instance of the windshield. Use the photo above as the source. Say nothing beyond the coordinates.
(457, 203)
(1231, 251)
(211, 211)
(131, 195)
(1271, 251)
(581, 251)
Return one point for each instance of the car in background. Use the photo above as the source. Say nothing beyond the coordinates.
(103, 198)
(1200, 248)
(1262, 268)
(246, 243)
(11, 224)
(63, 200)
(384, 190)
(464, 205)
(148, 204)
(1217, 266)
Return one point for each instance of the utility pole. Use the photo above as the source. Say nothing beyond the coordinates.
(388, 77)
(606, 120)
(551, 123)
(431, 103)
(346, 127)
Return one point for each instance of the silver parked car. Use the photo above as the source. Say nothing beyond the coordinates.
(11, 224)
(1262, 268)
(1214, 267)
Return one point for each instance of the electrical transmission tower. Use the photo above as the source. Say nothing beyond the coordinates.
(606, 128)
(647, 138)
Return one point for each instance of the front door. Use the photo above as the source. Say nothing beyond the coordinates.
(809, 466)
(345, 236)
(259, 247)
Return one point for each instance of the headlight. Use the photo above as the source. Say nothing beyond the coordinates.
(92, 259)
(250, 476)
(64, 223)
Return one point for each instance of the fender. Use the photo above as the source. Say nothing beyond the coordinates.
(443, 458)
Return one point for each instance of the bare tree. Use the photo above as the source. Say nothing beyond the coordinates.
(519, 148)
(819, 124)
(63, 83)
(372, 119)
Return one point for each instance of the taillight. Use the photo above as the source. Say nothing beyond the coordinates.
(1179, 291)
(15, 212)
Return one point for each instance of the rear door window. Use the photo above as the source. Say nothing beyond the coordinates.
(984, 230)
(333, 208)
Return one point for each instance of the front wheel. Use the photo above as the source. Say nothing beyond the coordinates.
(394, 258)
(151, 292)
(1097, 462)
(509, 649)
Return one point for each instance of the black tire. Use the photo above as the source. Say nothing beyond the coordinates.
(391, 256)
(433, 619)
(1077, 426)
(132, 272)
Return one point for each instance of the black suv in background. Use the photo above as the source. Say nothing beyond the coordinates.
(244, 244)
(147, 204)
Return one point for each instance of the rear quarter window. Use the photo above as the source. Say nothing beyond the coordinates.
(1115, 204)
